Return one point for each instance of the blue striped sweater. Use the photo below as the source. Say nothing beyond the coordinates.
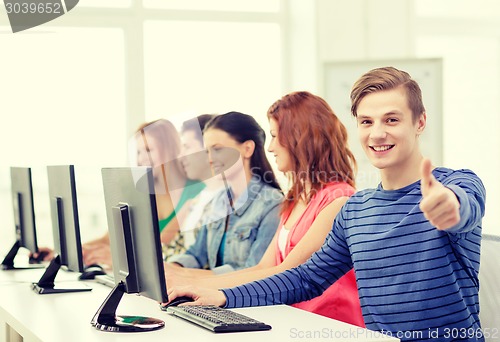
(415, 282)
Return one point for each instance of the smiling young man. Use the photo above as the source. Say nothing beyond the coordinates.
(414, 241)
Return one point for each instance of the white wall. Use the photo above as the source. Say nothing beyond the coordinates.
(75, 89)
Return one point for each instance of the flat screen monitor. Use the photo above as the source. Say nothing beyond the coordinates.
(135, 247)
(65, 230)
(24, 217)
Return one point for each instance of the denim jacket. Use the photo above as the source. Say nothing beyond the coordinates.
(251, 227)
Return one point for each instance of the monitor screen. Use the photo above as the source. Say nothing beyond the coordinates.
(64, 213)
(24, 215)
(135, 246)
(65, 230)
(24, 209)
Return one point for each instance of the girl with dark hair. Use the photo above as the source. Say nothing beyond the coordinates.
(243, 128)
(240, 222)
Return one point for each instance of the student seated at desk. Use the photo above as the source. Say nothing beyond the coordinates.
(414, 241)
(309, 144)
(158, 146)
(194, 161)
(240, 222)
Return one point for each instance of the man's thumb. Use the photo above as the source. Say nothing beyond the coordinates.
(427, 177)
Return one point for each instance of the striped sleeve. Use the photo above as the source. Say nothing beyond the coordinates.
(301, 283)
(471, 194)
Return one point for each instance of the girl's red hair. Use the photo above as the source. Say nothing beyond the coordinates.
(317, 142)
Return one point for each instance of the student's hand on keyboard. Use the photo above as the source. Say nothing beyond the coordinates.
(174, 276)
(97, 254)
(201, 296)
(43, 254)
(173, 269)
(179, 280)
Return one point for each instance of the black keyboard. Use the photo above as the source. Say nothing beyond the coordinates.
(217, 319)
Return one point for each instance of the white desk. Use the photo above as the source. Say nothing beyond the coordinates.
(25, 315)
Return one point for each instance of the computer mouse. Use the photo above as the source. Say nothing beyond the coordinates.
(91, 271)
(177, 301)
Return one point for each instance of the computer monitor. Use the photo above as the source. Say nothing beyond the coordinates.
(65, 230)
(135, 247)
(24, 217)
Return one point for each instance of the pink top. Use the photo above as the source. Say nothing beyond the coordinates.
(340, 301)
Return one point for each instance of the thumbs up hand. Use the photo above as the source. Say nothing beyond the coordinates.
(439, 204)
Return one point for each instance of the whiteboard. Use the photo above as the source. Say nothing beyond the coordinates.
(339, 78)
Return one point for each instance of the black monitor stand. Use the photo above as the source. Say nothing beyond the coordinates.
(46, 283)
(106, 319)
(8, 261)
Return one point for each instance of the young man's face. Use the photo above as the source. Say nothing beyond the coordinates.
(386, 129)
(193, 157)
